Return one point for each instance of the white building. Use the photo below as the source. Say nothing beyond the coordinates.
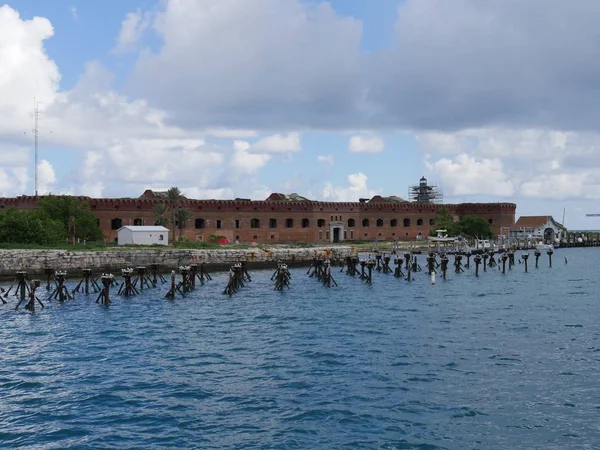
(143, 235)
(538, 228)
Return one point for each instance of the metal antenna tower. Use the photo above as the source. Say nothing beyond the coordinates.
(36, 114)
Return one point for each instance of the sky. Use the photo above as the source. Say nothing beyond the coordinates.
(491, 101)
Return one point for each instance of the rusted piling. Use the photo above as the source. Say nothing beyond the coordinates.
(492, 262)
(327, 277)
(84, 284)
(477, 261)
(236, 280)
(504, 258)
(370, 263)
(398, 269)
(458, 263)
(386, 264)
(156, 275)
(525, 257)
(30, 306)
(378, 267)
(142, 279)
(537, 255)
(174, 287)
(107, 280)
(49, 277)
(61, 293)
(444, 265)
(485, 258)
(282, 276)
(468, 263)
(127, 288)
(550, 252)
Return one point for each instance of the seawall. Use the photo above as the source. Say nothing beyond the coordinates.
(35, 261)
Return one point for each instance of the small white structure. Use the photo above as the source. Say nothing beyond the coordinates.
(538, 228)
(143, 235)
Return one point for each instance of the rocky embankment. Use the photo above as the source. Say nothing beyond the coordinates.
(35, 261)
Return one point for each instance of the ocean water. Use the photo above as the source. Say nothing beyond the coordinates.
(495, 362)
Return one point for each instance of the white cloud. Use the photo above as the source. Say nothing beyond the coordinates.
(278, 143)
(366, 144)
(466, 175)
(326, 159)
(132, 29)
(357, 188)
(46, 177)
(74, 14)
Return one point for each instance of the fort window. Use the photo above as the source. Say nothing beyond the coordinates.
(365, 222)
(419, 222)
(289, 223)
(199, 224)
(272, 236)
(393, 223)
(305, 223)
(138, 222)
(237, 238)
(255, 223)
(431, 221)
(218, 224)
(98, 222)
(379, 234)
(332, 218)
(116, 223)
(327, 235)
(255, 238)
(321, 223)
(351, 223)
(237, 223)
(345, 235)
(407, 223)
(491, 221)
(351, 234)
(379, 222)
(272, 223)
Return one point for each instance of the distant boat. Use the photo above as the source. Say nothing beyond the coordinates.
(442, 236)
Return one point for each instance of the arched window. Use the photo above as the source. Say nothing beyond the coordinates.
(321, 223)
(272, 223)
(379, 222)
(289, 223)
(199, 224)
(491, 221)
(305, 223)
(116, 223)
(254, 223)
(419, 222)
(351, 223)
(407, 222)
(365, 222)
(393, 223)
(138, 222)
(431, 221)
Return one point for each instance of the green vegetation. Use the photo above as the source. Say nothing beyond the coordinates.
(57, 220)
(470, 226)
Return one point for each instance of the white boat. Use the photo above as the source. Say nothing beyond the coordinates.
(442, 236)
(483, 244)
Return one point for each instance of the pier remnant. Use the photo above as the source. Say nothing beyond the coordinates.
(525, 257)
(550, 252)
(107, 281)
(281, 276)
(156, 275)
(127, 288)
(61, 293)
(327, 277)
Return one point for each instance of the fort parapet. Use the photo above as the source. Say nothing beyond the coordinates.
(282, 220)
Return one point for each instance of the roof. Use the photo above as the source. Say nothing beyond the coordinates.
(533, 222)
(144, 228)
(289, 197)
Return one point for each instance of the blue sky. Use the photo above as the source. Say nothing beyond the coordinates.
(334, 101)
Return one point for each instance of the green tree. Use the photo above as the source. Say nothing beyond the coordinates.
(444, 221)
(174, 196)
(182, 215)
(475, 227)
(30, 227)
(160, 214)
(63, 207)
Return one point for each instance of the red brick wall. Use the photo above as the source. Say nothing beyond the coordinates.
(228, 211)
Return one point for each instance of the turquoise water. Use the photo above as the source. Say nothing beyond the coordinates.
(494, 362)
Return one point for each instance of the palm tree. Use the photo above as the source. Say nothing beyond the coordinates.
(160, 212)
(174, 196)
(182, 215)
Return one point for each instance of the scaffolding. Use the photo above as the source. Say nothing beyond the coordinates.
(425, 193)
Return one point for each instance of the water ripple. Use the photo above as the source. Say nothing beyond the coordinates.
(499, 361)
